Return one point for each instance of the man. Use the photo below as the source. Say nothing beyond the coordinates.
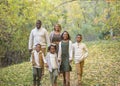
(39, 35)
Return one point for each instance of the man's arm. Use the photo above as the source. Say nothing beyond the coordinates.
(30, 42)
(47, 38)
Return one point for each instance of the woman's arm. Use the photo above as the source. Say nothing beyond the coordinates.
(70, 51)
(51, 36)
(59, 52)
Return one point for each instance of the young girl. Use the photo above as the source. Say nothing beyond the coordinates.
(65, 57)
(80, 54)
(52, 62)
(38, 61)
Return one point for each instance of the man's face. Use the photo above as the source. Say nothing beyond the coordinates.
(78, 38)
(38, 25)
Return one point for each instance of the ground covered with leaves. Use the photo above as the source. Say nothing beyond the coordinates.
(102, 68)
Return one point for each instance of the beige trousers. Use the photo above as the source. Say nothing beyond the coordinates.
(79, 70)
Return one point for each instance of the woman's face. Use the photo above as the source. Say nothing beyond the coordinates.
(57, 28)
(65, 35)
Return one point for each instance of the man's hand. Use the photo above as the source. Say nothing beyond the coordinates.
(70, 61)
(30, 50)
(59, 60)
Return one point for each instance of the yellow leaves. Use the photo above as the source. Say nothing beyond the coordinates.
(74, 10)
(101, 68)
(96, 21)
(111, 1)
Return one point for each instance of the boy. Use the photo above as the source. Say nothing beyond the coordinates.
(52, 63)
(38, 61)
(80, 53)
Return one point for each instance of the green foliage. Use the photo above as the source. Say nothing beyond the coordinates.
(101, 68)
(90, 18)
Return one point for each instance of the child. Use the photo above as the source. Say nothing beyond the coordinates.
(65, 57)
(38, 61)
(52, 62)
(80, 53)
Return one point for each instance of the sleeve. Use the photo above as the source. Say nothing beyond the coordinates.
(47, 38)
(59, 51)
(51, 35)
(73, 50)
(85, 54)
(44, 58)
(70, 50)
(30, 40)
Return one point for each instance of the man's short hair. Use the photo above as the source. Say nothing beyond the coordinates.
(79, 35)
(39, 21)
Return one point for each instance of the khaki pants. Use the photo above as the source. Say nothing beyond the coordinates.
(44, 52)
(79, 70)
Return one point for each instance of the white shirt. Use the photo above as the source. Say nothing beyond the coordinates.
(53, 60)
(38, 36)
(36, 58)
(80, 52)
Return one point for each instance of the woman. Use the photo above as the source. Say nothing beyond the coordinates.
(65, 57)
(55, 36)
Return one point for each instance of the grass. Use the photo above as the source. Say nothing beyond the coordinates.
(102, 68)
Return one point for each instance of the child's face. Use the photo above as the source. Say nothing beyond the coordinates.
(38, 48)
(52, 49)
(65, 35)
(78, 38)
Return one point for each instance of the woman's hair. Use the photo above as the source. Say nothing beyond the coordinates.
(51, 46)
(58, 26)
(67, 33)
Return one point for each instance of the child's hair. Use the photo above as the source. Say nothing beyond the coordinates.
(79, 35)
(38, 44)
(52, 45)
(67, 33)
